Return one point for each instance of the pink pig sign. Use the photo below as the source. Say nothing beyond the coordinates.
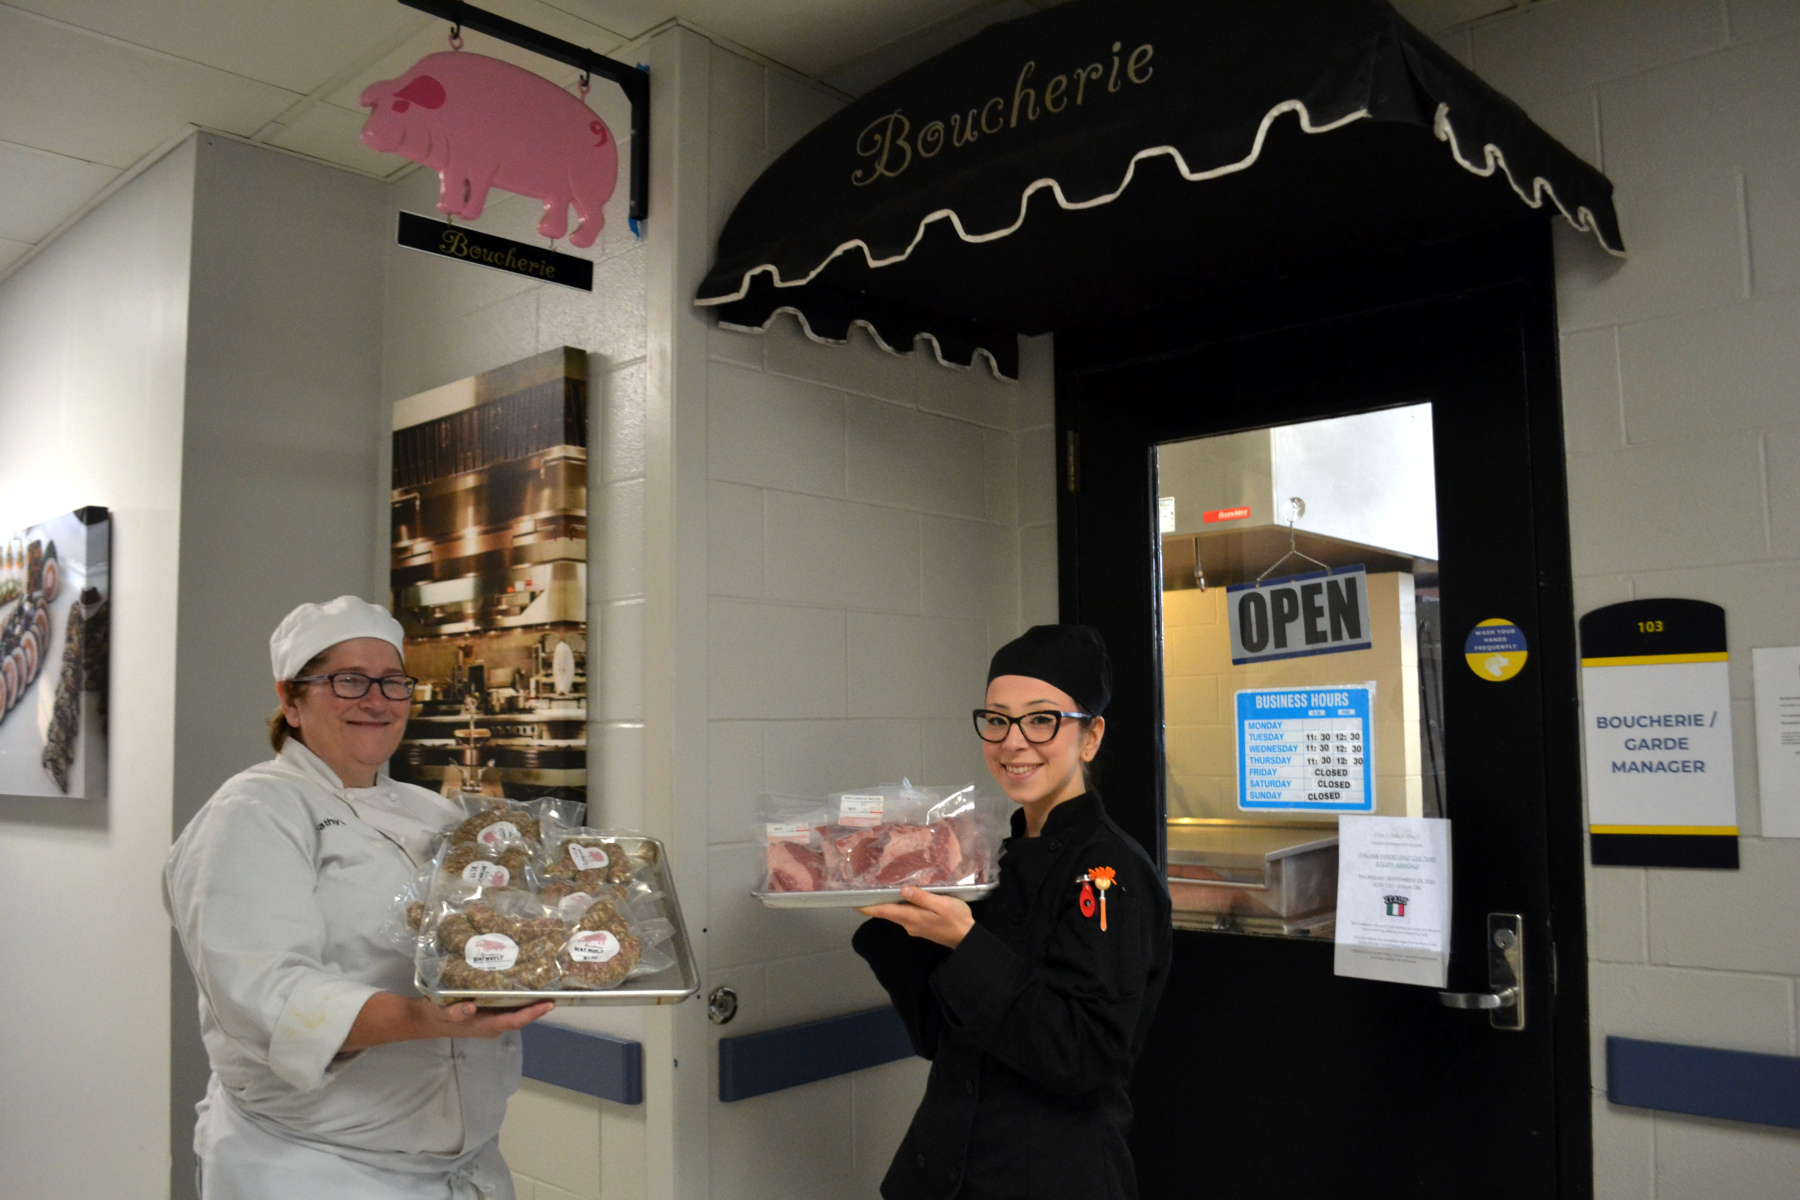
(482, 123)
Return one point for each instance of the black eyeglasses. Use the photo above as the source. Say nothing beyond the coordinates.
(1038, 727)
(354, 685)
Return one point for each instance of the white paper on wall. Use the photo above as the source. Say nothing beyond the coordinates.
(1777, 670)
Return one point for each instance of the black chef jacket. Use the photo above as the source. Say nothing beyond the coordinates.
(1033, 1022)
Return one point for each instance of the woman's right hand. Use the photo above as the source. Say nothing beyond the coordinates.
(467, 1020)
(387, 1017)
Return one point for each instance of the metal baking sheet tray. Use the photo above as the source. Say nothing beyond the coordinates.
(859, 897)
(650, 862)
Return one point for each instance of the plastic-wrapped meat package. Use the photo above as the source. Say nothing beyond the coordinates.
(602, 949)
(476, 942)
(584, 856)
(498, 824)
(488, 867)
(883, 838)
(795, 860)
(795, 867)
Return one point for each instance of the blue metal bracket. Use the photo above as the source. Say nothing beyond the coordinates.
(595, 1064)
(758, 1063)
(1731, 1085)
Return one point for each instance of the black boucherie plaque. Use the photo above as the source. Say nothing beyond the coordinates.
(502, 254)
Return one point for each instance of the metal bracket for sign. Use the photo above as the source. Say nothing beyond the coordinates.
(633, 81)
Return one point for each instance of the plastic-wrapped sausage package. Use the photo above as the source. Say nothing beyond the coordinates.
(876, 840)
(480, 940)
(523, 898)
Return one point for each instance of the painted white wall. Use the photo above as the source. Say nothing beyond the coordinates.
(277, 456)
(1681, 392)
(93, 335)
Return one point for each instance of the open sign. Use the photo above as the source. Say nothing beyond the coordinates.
(1322, 612)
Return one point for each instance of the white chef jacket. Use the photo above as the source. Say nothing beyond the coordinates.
(281, 889)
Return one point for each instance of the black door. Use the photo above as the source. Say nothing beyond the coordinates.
(1267, 1076)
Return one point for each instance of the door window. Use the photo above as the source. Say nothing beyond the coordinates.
(1301, 658)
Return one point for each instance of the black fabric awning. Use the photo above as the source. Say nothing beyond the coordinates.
(1108, 156)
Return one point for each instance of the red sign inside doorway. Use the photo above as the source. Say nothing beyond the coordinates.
(1225, 514)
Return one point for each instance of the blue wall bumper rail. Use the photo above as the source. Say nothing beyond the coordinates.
(758, 1063)
(1731, 1085)
(595, 1064)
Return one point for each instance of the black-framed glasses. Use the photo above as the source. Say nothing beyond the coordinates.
(1038, 727)
(354, 685)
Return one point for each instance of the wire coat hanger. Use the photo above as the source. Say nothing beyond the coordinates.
(1296, 510)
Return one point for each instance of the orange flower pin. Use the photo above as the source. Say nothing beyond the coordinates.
(1103, 879)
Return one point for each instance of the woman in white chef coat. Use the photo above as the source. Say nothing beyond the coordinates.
(331, 1076)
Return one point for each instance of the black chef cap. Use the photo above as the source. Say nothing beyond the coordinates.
(1070, 657)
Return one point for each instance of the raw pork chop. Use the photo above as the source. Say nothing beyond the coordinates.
(851, 854)
(795, 868)
(974, 864)
(919, 854)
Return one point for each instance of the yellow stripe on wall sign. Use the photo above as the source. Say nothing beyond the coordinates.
(1651, 660)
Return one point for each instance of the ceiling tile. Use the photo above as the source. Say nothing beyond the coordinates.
(293, 44)
(813, 36)
(92, 98)
(39, 189)
(328, 132)
(630, 18)
(11, 252)
(434, 37)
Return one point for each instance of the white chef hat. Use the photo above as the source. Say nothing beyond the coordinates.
(312, 628)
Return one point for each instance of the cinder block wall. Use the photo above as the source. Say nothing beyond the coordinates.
(875, 526)
(1681, 386)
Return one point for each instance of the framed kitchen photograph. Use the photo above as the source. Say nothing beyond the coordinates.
(55, 616)
(488, 575)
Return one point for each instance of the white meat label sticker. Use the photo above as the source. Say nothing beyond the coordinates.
(789, 831)
(593, 946)
(499, 834)
(859, 810)
(486, 874)
(588, 858)
(574, 906)
(491, 952)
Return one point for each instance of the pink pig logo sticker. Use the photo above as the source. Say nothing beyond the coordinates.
(482, 123)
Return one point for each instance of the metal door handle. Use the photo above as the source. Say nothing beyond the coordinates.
(1506, 975)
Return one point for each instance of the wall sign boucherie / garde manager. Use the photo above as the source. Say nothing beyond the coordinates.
(890, 143)
(1656, 716)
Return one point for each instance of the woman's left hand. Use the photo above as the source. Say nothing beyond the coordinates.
(941, 919)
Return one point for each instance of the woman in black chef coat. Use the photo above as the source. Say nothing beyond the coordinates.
(1033, 1002)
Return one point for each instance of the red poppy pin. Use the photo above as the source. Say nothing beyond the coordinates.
(1097, 877)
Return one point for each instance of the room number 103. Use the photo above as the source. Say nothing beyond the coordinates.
(1650, 626)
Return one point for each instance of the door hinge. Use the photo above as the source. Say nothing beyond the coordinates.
(1072, 461)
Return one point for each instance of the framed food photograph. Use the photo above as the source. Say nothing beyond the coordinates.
(488, 572)
(55, 617)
